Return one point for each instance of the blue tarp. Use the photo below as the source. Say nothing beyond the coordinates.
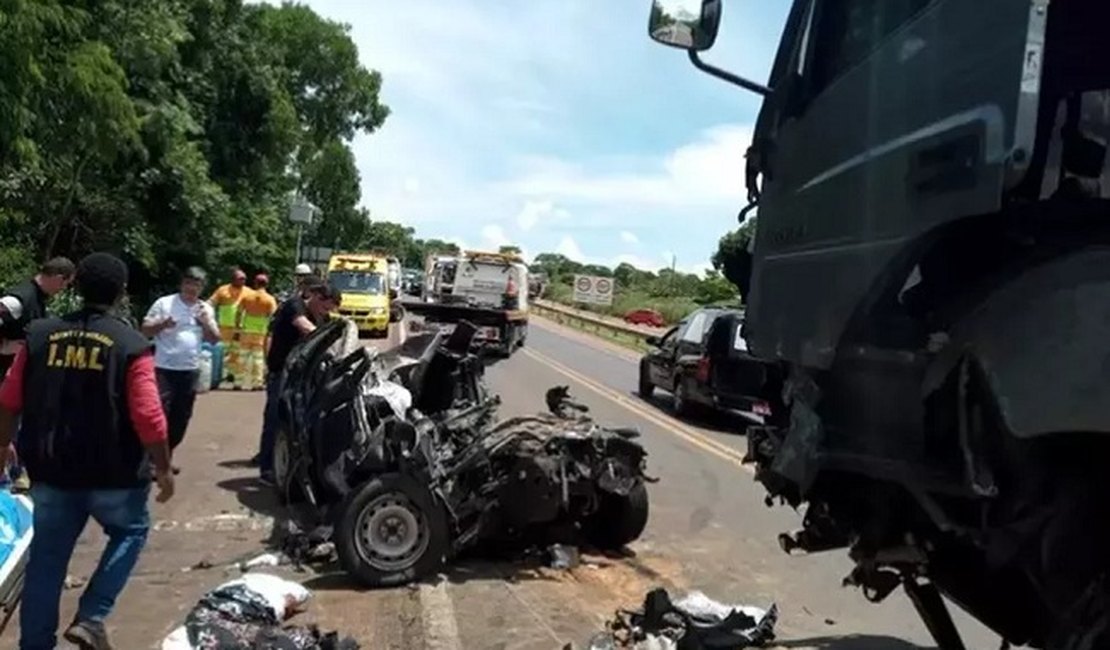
(217, 350)
(15, 527)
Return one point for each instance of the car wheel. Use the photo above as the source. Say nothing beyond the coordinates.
(619, 520)
(282, 464)
(391, 531)
(645, 388)
(680, 399)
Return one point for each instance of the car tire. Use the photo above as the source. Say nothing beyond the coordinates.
(619, 520)
(680, 399)
(282, 464)
(391, 531)
(644, 387)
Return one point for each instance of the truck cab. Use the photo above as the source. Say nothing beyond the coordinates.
(363, 280)
(932, 272)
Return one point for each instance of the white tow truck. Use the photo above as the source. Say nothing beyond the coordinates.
(489, 290)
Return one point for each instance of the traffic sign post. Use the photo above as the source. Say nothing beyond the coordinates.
(593, 290)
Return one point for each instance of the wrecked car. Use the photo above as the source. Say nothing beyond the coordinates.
(402, 455)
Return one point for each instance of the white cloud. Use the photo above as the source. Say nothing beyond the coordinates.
(526, 121)
(535, 212)
(494, 236)
(569, 248)
(706, 172)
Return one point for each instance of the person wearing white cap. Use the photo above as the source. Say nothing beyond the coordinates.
(302, 273)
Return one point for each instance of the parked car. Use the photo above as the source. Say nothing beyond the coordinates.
(645, 317)
(704, 361)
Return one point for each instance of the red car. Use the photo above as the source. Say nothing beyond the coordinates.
(645, 317)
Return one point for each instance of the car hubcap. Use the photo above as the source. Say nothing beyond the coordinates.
(391, 534)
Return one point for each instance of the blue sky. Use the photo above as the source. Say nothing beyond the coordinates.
(557, 125)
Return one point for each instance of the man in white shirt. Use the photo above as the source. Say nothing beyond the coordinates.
(179, 323)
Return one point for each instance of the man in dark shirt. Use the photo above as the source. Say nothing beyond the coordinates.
(26, 302)
(295, 319)
(92, 426)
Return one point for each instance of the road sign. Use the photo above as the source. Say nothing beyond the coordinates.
(593, 290)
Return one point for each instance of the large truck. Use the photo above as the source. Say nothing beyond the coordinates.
(489, 290)
(931, 271)
(364, 280)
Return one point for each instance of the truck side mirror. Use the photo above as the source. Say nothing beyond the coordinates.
(653, 341)
(686, 24)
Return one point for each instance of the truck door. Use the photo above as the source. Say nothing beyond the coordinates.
(889, 114)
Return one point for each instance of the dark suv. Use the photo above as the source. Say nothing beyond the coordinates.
(704, 361)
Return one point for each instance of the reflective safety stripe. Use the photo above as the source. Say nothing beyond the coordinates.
(226, 315)
(253, 324)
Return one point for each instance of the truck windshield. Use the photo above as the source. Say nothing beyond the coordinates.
(368, 282)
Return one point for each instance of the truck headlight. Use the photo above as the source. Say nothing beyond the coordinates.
(377, 311)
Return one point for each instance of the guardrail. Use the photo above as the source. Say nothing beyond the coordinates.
(603, 326)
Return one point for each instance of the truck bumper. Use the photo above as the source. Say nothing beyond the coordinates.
(375, 324)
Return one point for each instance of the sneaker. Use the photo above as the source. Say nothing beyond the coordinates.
(88, 635)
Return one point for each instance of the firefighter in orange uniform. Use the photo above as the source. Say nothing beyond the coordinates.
(255, 311)
(226, 302)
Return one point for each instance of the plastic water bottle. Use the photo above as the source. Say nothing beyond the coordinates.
(204, 377)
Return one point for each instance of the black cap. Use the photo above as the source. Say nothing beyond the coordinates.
(101, 279)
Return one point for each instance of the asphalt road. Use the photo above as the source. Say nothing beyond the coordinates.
(708, 530)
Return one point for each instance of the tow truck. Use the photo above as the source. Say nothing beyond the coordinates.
(489, 290)
(931, 270)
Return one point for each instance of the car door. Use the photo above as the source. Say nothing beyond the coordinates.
(690, 342)
(661, 359)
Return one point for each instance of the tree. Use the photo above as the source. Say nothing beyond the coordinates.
(510, 250)
(172, 131)
(732, 258)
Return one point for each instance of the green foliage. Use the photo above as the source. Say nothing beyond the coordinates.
(673, 294)
(732, 258)
(171, 132)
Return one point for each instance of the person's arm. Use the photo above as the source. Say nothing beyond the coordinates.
(209, 329)
(11, 397)
(303, 325)
(156, 320)
(149, 420)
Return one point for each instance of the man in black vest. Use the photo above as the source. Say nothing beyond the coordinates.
(26, 302)
(92, 426)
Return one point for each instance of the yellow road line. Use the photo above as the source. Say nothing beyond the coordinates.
(696, 438)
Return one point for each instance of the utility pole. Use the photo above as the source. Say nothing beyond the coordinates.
(674, 265)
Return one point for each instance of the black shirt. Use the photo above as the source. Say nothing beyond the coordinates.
(284, 336)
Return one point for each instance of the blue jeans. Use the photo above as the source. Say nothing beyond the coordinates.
(269, 424)
(59, 518)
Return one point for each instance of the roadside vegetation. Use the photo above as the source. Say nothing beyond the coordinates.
(672, 293)
(172, 133)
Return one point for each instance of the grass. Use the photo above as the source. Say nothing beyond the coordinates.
(673, 309)
(629, 341)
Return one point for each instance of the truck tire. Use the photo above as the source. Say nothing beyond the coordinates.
(619, 520)
(644, 386)
(391, 531)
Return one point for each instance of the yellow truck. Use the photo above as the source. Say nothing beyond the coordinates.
(364, 279)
